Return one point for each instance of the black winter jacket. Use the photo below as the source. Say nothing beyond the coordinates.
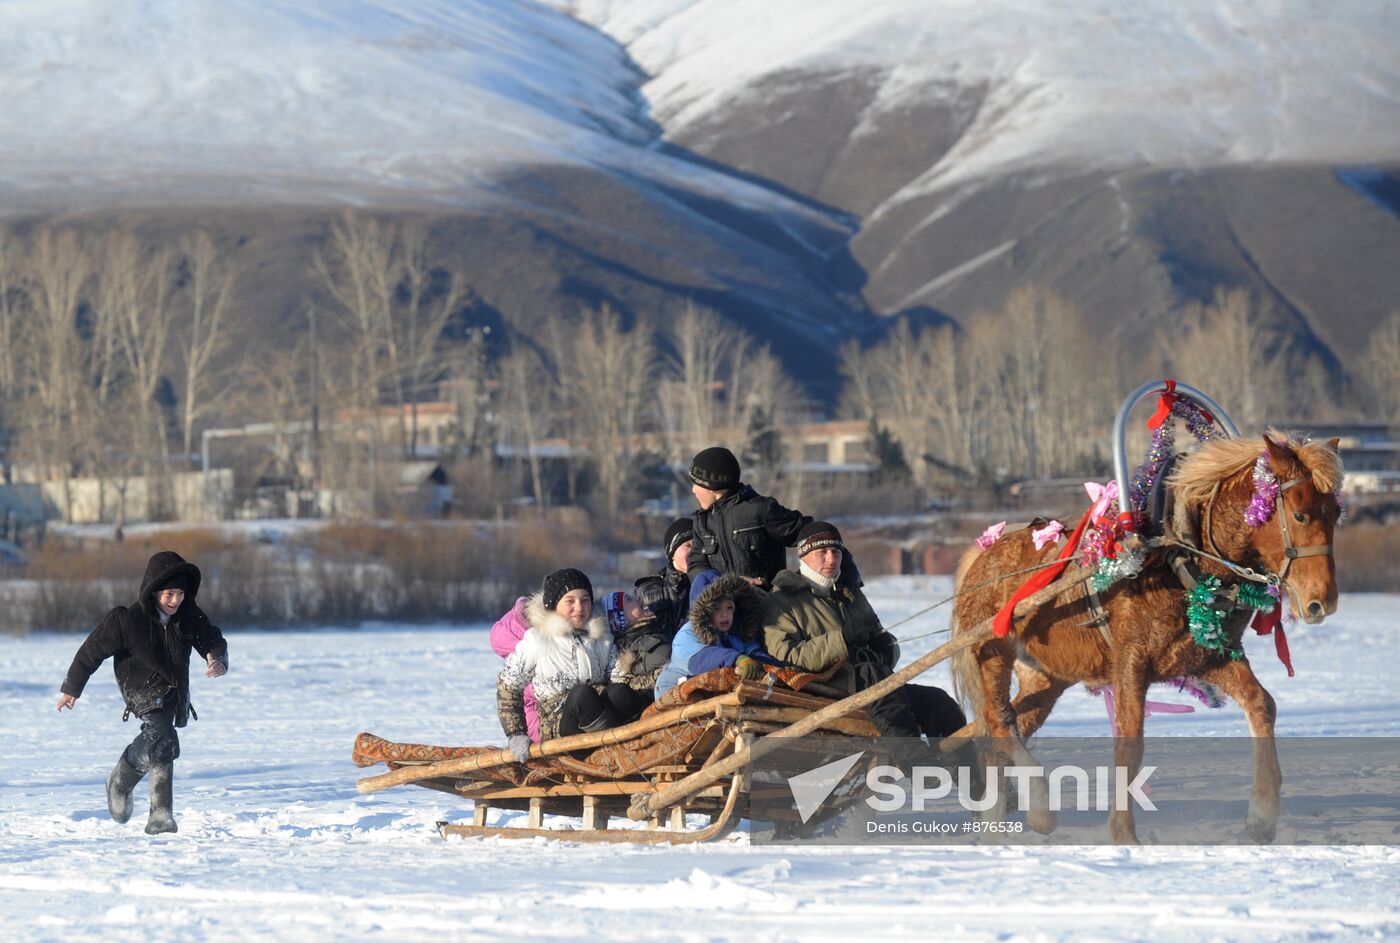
(676, 587)
(642, 651)
(745, 533)
(151, 660)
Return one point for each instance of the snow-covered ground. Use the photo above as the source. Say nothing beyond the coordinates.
(275, 843)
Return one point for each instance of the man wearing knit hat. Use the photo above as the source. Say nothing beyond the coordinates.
(738, 530)
(817, 617)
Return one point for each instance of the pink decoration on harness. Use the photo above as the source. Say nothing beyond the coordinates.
(1049, 534)
(991, 535)
(1102, 496)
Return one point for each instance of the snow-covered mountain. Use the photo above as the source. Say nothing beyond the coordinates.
(796, 164)
(1131, 156)
(1164, 83)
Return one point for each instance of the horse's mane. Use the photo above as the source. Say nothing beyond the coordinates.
(1219, 460)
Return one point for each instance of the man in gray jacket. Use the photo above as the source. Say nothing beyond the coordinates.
(818, 616)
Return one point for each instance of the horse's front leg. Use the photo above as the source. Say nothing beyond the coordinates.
(1237, 679)
(1130, 688)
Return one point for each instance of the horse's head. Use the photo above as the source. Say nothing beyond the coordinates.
(1296, 540)
(1285, 526)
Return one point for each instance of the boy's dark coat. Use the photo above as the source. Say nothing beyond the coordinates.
(151, 660)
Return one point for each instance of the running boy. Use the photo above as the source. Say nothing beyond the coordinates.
(149, 643)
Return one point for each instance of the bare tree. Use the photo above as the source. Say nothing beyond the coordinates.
(211, 281)
(12, 309)
(361, 272)
(419, 326)
(702, 343)
(135, 299)
(527, 397)
(57, 269)
(1226, 349)
(1380, 366)
(606, 374)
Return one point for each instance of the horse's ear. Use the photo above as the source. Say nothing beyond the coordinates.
(1280, 455)
(1335, 443)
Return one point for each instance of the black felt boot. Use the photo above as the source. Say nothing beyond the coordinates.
(119, 785)
(162, 799)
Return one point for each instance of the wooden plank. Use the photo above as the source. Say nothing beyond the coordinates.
(677, 822)
(479, 812)
(536, 813)
(569, 791)
(585, 741)
(720, 825)
(783, 716)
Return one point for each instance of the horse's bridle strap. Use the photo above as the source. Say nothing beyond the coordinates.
(1290, 552)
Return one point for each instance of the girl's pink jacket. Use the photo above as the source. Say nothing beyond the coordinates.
(505, 635)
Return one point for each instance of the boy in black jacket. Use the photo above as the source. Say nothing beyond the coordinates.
(150, 645)
(738, 530)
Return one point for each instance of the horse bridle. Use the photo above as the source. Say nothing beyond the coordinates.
(1290, 552)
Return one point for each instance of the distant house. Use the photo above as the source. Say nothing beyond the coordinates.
(424, 488)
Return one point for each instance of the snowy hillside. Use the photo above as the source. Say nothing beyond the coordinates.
(796, 165)
(1162, 82)
(276, 844)
(357, 101)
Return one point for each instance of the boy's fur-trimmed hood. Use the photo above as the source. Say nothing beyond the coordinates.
(550, 623)
(748, 609)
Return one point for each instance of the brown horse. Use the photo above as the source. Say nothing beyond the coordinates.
(1147, 638)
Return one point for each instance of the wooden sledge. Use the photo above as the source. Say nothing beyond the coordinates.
(688, 754)
(635, 761)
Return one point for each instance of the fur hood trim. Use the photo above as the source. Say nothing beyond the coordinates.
(552, 625)
(748, 609)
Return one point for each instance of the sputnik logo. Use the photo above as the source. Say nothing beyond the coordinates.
(812, 788)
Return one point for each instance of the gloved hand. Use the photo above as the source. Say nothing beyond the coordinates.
(858, 630)
(748, 668)
(520, 746)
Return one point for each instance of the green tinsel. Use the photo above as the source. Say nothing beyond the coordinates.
(1252, 595)
(1108, 572)
(1205, 621)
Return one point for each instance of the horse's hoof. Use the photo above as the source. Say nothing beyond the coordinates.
(1261, 829)
(1122, 832)
(1042, 821)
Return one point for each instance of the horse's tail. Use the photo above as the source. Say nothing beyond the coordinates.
(967, 674)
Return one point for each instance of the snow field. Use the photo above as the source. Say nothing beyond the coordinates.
(275, 843)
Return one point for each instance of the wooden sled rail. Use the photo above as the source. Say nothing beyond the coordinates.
(583, 741)
(646, 805)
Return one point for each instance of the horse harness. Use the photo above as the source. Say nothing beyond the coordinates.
(1180, 559)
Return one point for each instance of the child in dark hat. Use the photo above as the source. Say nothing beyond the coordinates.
(642, 637)
(567, 655)
(737, 530)
(150, 643)
(670, 588)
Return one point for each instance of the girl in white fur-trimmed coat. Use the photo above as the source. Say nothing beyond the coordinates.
(569, 657)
